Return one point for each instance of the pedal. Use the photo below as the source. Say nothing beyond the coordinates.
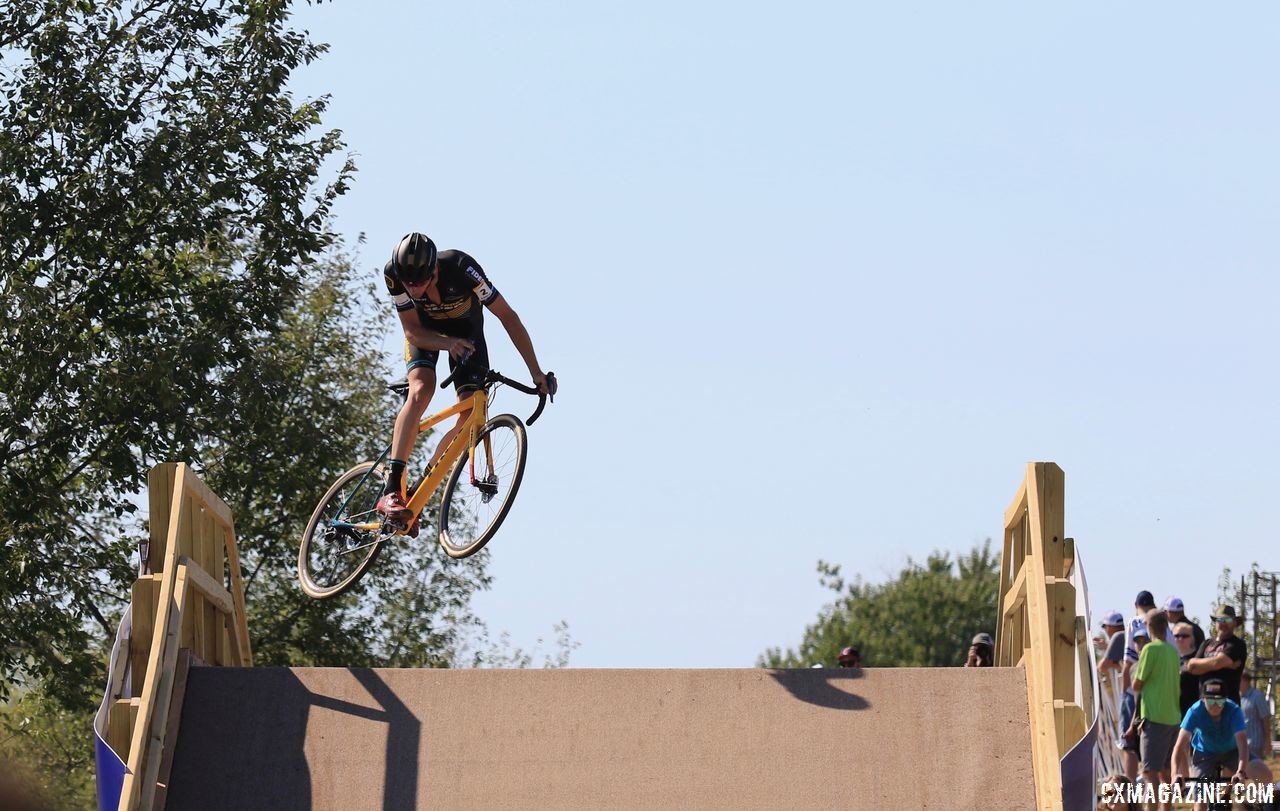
(391, 526)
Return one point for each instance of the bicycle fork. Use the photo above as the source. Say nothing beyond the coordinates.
(488, 486)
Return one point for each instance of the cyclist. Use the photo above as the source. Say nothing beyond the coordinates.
(438, 296)
(1212, 735)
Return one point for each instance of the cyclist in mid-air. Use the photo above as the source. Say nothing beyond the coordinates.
(438, 297)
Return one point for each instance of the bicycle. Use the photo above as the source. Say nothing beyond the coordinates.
(345, 533)
(1217, 787)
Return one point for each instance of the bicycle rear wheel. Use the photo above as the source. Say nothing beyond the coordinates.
(335, 553)
(477, 497)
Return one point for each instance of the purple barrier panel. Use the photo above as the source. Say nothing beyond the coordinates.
(111, 771)
(1079, 785)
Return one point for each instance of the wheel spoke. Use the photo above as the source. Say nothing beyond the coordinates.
(335, 552)
(472, 511)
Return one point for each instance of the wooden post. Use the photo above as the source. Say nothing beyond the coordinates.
(1039, 629)
(180, 609)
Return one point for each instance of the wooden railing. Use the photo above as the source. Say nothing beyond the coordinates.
(1040, 628)
(180, 603)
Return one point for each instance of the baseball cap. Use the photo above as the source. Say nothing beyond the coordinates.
(1113, 618)
(1140, 629)
(1224, 610)
(1173, 604)
(1145, 599)
(1213, 688)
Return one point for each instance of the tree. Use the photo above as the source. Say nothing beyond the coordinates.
(51, 747)
(160, 197)
(925, 617)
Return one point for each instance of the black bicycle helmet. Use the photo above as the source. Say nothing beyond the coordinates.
(414, 258)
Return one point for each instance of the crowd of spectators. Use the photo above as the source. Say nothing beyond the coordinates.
(1188, 707)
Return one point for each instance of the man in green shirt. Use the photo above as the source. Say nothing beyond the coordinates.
(1156, 683)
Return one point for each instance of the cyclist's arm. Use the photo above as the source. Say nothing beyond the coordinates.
(1242, 748)
(519, 337)
(424, 338)
(1181, 755)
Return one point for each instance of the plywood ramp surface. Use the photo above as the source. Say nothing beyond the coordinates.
(353, 738)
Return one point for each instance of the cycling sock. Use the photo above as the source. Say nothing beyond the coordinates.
(395, 476)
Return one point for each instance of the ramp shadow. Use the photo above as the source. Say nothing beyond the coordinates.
(817, 686)
(243, 740)
(404, 735)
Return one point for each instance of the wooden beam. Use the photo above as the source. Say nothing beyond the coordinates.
(185, 662)
(1017, 506)
(1040, 664)
(241, 629)
(1045, 491)
(212, 590)
(1068, 557)
(164, 696)
(1061, 605)
(122, 715)
(160, 486)
(204, 495)
(139, 780)
(1016, 597)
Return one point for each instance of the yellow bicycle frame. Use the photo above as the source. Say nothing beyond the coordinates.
(478, 404)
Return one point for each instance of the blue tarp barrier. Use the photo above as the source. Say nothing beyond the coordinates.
(110, 775)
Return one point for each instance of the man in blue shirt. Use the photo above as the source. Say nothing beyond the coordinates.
(1257, 717)
(1212, 732)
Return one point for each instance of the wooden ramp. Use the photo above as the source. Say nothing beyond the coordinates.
(352, 738)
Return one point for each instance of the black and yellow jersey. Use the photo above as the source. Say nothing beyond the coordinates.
(463, 287)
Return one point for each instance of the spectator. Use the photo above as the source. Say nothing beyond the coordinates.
(1129, 707)
(1155, 683)
(1257, 717)
(1213, 735)
(849, 657)
(982, 651)
(1189, 683)
(1143, 604)
(1223, 656)
(1113, 631)
(1115, 787)
(1176, 615)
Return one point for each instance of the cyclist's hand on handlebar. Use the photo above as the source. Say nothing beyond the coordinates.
(460, 349)
(546, 383)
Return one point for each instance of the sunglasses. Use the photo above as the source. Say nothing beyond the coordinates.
(1215, 702)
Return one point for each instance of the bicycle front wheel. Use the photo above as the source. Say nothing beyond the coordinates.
(341, 539)
(480, 489)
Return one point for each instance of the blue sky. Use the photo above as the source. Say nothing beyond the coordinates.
(819, 279)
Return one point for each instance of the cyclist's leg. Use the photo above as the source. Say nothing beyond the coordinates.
(466, 381)
(420, 366)
(1207, 767)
